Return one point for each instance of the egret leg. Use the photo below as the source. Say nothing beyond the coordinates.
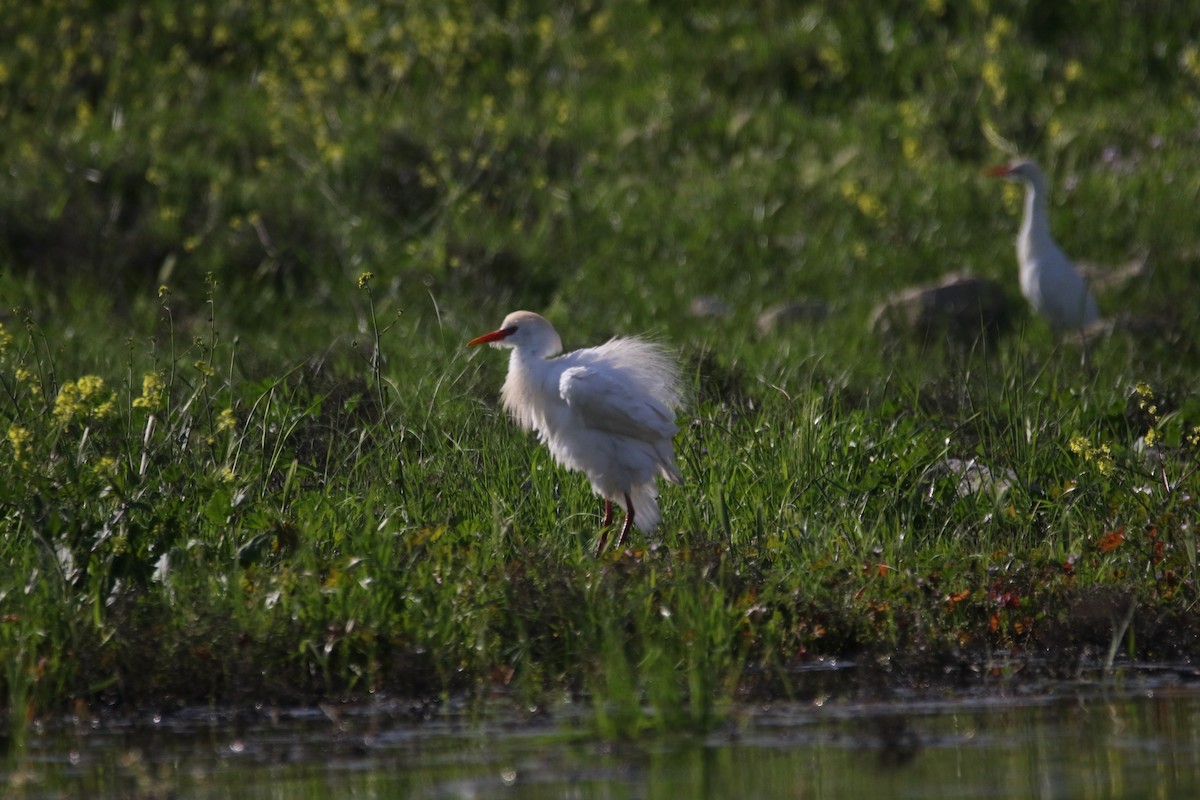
(628, 520)
(608, 516)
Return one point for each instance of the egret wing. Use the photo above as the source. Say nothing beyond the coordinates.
(603, 401)
(1069, 302)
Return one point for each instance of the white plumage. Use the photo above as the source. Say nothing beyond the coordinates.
(607, 411)
(1049, 280)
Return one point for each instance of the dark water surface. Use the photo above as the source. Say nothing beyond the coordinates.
(1095, 740)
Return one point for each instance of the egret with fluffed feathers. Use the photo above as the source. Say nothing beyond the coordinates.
(606, 411)
(1049, 280)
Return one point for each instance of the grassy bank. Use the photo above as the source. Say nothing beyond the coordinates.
(247, 456)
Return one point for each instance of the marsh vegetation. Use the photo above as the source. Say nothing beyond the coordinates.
(246, 455)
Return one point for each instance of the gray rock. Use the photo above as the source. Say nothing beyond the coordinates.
(783, 315)
(970, 477)
(706, 306)
(960, 306)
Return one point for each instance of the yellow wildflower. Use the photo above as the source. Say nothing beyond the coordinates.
(1100, 456)
(1193, 438)
(226, 420)
(544, 28)
(994, 38)
(90, 386)
(301, 29)
(426, 177)
(994, 78)
(870, 205)
(364, 280)
(86, 397)
(105, 408)
(152, 390)
(1147, 401)
(1189, 60)
(5, 338)
(20, 439)
(831, 57)
(24, 376)
(517, 77)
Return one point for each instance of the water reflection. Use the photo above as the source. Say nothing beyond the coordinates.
(1089, 744)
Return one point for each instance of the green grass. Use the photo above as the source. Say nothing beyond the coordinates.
(323, 498)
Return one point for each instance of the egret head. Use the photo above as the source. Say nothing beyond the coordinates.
(526, 331)
(1023, 169)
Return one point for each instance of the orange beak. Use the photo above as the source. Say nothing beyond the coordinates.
(494, 336)
(999, 171)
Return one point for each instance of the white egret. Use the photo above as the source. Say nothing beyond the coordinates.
(606, 411)
(1049, 280)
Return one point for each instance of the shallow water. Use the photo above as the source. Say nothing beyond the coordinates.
(1090, 740)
